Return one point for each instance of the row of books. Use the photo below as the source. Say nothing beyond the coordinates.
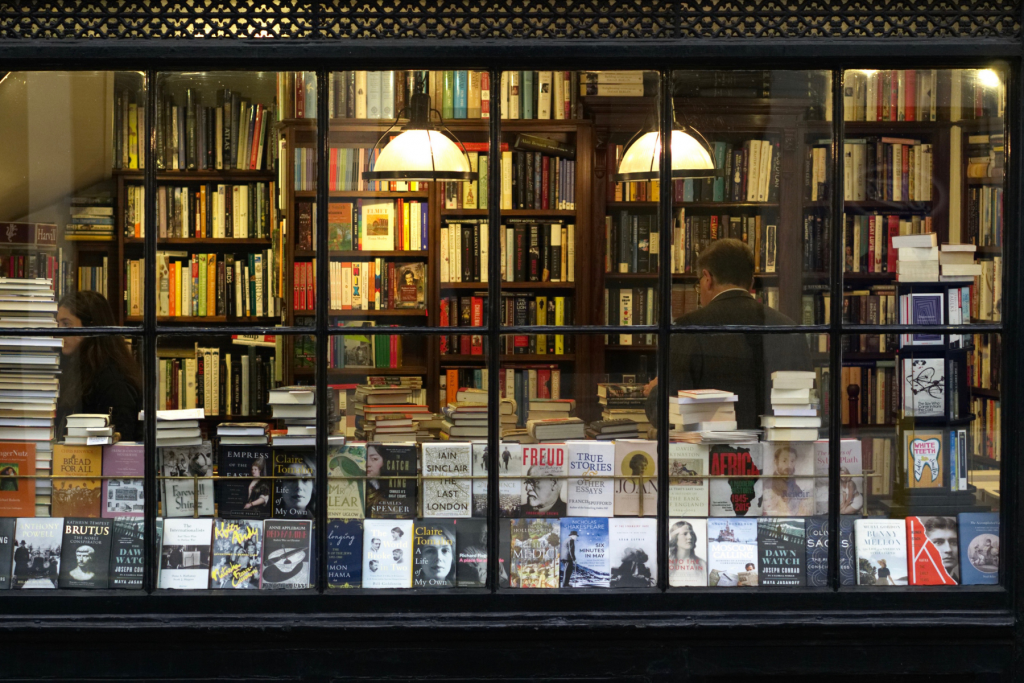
(536, 181)
(984, 225)
(917, 95)
(220, 381)
(628, 306)
(693, 232)
(985, 362)
(90, 222)
(986, 156)
(867, 240)
(129, 126)
(364, 225)
(471, 194)
(93, 278)
(362, 351)
(377, 285)
(134, 212)
(215, 211)
(986, 428)
(877, 396)
(878, 169)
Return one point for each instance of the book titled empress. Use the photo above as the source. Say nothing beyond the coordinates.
(85, 553)
(688, 552)
(449, 492)
(247, 495)
(185, 555)
(585, 553)
(732, 552)
(287, 553)
(387, 553)
(881, 546)
(237, 554)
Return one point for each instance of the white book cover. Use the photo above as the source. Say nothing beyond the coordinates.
(881, 548)
(633, 552)
(924, 387)
(379, 221)
(544, 495)
(479, 486)
(591, 484)
(688, 551)
(387, 553)
(451, 496)
(510, 460)
(732, 552)
(851, 479)
(789, 488)
(185, 554)
(179, 495)
(636, 485)
(688, 483)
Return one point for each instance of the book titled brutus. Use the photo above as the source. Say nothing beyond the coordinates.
(85, 553)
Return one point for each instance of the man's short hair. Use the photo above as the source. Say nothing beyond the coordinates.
(730, 262)
(933, 523)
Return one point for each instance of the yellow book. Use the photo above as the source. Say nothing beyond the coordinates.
(542, 319)
(406, 225)
(201, 230)
(133, 136)
(76, 497)
(559, 320)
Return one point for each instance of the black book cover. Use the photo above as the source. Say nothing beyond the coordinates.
(287, 561)
(85, 553)
(250, 496)
(6, 551)
(190, 128)
(522, 313)
(476, 253)
(534, 264)
(226, 129)
(236, 387)
(471, 553)
(504, 551)
(551, 320)
(391, 497)
(531, 317)
(236, 554)
(345, 553)
(537, 183)
(433, 552)
(467, 252)
(519, 235)
(556, 253)
(126, 553)
(643, 257)
(528, 178)
(294, 497)
(546, 265)
(781, 548)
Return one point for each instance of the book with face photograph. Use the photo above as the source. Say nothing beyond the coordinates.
(387, 553)
(411, 285)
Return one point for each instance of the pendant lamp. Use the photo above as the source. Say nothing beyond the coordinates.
(691, 155)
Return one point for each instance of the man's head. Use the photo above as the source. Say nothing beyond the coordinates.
(749, 567)
(85, 555)
(785, 461)
(574, 534)
(724, 264)
(373, 565)
(541, 494)
(375, 544)
(941, 531)
(397, 554)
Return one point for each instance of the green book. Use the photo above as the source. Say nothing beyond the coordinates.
(448, 95)
(481, 194)
(202, 284)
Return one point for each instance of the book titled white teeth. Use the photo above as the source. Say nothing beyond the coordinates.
(881, 546)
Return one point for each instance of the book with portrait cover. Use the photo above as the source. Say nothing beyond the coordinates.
(789, 489)
(433, 554)
(346, 498)
(591, 488)
(126, 553)
(851, 477)
(37, 545)
(85, 553)
(933, 551)
(123, 497)
(247, 495)
(287, 554)
(390, 497)
(452, 495)
(534, 553)
(185, 554)
(732, 552)
(688, 483)
(77, 497)
(237, 554)
(780, 551)
(471, 553)
(881, 547)
(479, 486)
(411, 285)
(925, 451)
(294, 498)
(636, 488)
(345, 553)
(740, 494)
(585, 558)
(688, 552)
(387, 553)
(544, 490)
(179, 495)
(979, 548)
(6, 551)
(17, 496)
(816, 556)
(633, 552)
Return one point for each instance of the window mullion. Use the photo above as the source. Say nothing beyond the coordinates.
(835, 416)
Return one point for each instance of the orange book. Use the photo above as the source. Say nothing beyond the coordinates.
(211, 285)
(76, 497)
(17, 496)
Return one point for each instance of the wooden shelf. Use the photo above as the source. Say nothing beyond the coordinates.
(630, 347)
(387, 313)
(880, 205)
(205, 319)
(512, 213)
(365, 194)
(990, 251)
(986, 181)
(360, 372)
(508, 358)
(695, 205)
(360, 254)
(230, 175)
(482, 286)
(986, 462)
(985, 393)
(226, 242)
(676, 277)
(854, 128)
(883, 277)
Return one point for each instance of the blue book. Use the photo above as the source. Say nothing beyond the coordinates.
(585, 561)
(688, 190)
(526, 96)
(979, 548)
(817, 551)
(460, 100)
(718, 192)
(345, 553)
(926, 309)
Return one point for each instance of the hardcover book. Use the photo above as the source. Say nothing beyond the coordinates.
(185, 554)
(346, 498)
(387, 553)
(534, 553)
(394, 497)
(740, 494)
(471, 553)
(180, 494)
(433, 551)
(85, 553)
(544, 489)
(688, 552)
(126, 553)
(925, 451)
(250, 496)
(345, 553)
(411, 286)
(786, 492)
(636, 489)
(6, 551)
(924, 387)
(732, 552)
(479, 486)
(37, 545)
(979, 548)
(881, 546)
(510, 486)
(633, 551)
(452, 495)
(237, 554)
(851, 479)
(378, 226)
(688, 483)
(816, 557)
(504, 552)
(780, 551)
(17, 496)
(76, 497)
(933, 551)
(287, 554)
(585, 558)
(123, 497)
(591, 488)
(294, 498)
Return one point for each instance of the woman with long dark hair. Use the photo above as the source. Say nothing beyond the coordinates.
(98, 374)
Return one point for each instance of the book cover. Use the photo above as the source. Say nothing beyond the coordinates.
(294, 484)
(739, 495)
(237, 554)
(924, 387)
(851, 477)
(77, 497)
(688, 483)
(433, 553)
(933, 551)
(816, 558)
(185, 554)
(179, 495)
(979, 548)
(127, 557)
(633, 551)
(636, 489)
(37, 552)
(250, 496)
(780, 551)
(881, 547)
(925, 451)
(452, 495)
(504, 552)
(544, 490)
(287, 554)
(17, 496)
(387, 553)
(378, 233)
(688, 552)
(6, 551)
(85, 553)
(123, 497)
(412, 285)
(345, 553)
(926, 308)
(591, 487)
(479, 486)
(786, 492)
(585, 558)
(471, 553)
(394, 497)
(534, 553)
(346, 498)
(732, 552)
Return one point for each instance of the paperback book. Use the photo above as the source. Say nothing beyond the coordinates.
(591, 488)
(933, 551)
(781, 551)
(123, 497)
(393, 497)
(6, 551)
(185, 554)
(127, 553)
(85, 553)
(636, 485)
(924, 387)
(851, 478)
(535, 545)
(17, 496)
(471, 553)
(179, 494)
(732, 552)
(740, 494)
(433, 552)
(237, 554)
(544, 467)
(816, 557)
(387, 553)
(688, 552)
(452, 495)
(925, 451)
(346, 498)
(294, 484)
(287, 554)
(789, 488)
(881, 546)
(345, 553)
(248, 497)
(687, 484)
(585, 553)
(633, 550)
(77, 497)
(979, 548)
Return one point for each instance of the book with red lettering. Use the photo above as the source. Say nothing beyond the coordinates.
(933, 551)
(740, 494)
(544, 490)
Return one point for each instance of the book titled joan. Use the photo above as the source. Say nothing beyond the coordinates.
(881, 546)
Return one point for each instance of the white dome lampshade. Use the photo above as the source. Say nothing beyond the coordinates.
(690, 157)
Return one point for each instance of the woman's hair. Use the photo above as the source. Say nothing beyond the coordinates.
(261, 463)
(677, 529)
(95, 353)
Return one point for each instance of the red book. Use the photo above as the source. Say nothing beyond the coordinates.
(255, 145)
(477, 313)
(485, 102)
(872, 264)
(544, 383)
(893, 253)
(18, 458)
(879, 81)
(894, 97)
(910, 98)
(300, 98)
(393, 359)
(445, 307)
(452, 385)
(932, 551)
(296, 277)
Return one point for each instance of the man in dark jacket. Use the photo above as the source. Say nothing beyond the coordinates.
(738, 362)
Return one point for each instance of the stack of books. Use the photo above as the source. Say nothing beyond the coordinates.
(246, 433)
(178, 427)
(707, 416)
(607, 430)
(957, 264)
(92, 218)
(90, 429)
(391, 411)
(918, 258)
(794, 412)
(551, 419)
(295, 407)
(624, 401)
